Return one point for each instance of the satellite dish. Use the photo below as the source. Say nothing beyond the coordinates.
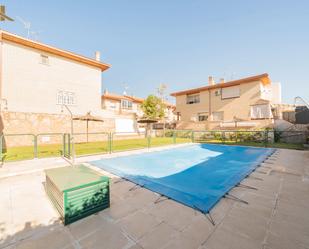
(3, 16)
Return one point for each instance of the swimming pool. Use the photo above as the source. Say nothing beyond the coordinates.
(197, 175)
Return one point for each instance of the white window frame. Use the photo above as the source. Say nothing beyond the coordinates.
(126, 104)
(262, 111)
(193, 99)
(65, 98)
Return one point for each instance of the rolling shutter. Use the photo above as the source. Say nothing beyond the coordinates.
(230, 92)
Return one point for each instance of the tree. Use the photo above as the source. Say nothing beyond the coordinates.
(153, 108)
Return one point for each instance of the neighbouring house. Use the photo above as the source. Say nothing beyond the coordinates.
(36, 79)
(244, 103)
(126, 110)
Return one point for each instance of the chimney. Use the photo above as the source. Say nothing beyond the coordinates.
(97, 55)
(105, 91)
(222, 80)
(211, 80)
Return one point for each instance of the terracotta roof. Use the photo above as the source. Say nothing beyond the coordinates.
(169, 104)
(135, 99)
(131, 98)
(52, 50)
(122, 97)
(262, 77)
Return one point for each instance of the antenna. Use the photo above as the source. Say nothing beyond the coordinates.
(27, 25)
(126, 87)
(233, 74)
(3, 16)
(161, 89)
(35, 34)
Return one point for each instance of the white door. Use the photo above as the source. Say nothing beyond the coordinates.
(124, 125)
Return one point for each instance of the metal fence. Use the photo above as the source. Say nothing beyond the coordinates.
(172, 137)
(29, 146)
(91, 143)
(26, 147)
(122, 141)
(260, 138)
(48, 145)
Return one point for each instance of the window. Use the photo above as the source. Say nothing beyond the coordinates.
(218, 92)
(261, 112)
(126, 104)
(66, 98)
(203, 116)
(266, 92)
(44, 59)
(217, 116)
(230, 92)
(193, 99)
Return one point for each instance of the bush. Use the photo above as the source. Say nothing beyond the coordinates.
(169, 133)
(277, 136)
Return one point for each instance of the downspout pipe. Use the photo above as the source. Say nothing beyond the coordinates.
(209, 108)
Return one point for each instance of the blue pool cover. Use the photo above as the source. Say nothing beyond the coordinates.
(197, 175)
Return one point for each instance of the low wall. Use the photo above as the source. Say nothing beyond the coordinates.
(38, 123)
(215, 125)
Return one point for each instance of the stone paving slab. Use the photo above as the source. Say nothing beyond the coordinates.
(139, 224)
(276, 216)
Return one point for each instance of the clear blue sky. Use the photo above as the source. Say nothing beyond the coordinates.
(176, 42)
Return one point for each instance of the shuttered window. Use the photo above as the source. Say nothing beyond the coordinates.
(65, 98)
(126, 104)
(193, 99)
(217, 116)
(230, 92)
(202, 116)
(261, 111)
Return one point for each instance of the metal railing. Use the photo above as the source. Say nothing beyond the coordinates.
(49, 145)
(29, 146)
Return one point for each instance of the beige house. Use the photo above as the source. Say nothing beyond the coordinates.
(242, 103)
(126, 110)
(37, 79)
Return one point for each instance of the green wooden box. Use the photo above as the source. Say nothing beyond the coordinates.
(77, 191)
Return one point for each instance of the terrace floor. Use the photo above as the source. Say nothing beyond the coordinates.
(276, 215)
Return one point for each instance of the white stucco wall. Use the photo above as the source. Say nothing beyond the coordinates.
(30, 86)
(276, 93)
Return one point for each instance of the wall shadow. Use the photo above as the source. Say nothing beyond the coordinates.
(30, 236)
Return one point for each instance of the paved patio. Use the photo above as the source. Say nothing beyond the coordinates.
(276, 215)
